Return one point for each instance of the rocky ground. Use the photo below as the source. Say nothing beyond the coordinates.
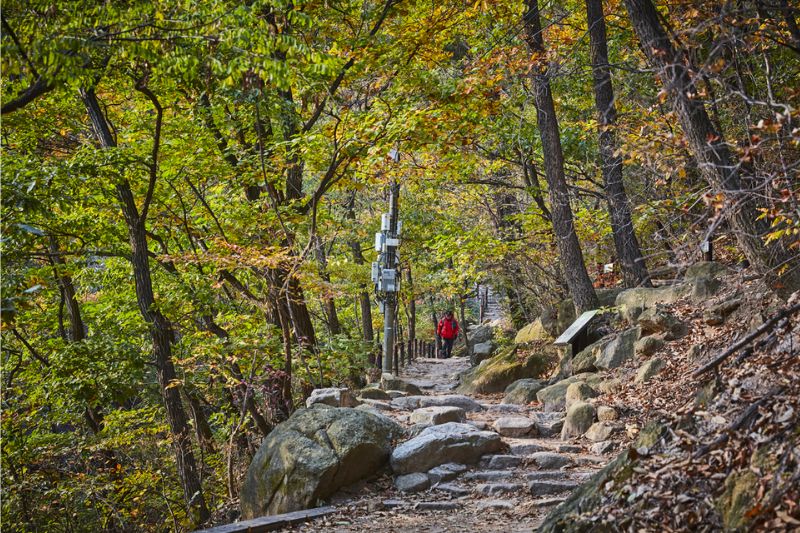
(682, 415)
(509, 490)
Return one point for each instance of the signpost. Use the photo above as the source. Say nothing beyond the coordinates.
(385, 272)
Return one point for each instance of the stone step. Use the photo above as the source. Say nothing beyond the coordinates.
(502, 462)
(526, 448)
(495, 504)
(452, 489)
(437, 506)
(548, 502)
(547, 488)
(492, 489)
(488, 475)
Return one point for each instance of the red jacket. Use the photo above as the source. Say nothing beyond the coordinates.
(448, 328)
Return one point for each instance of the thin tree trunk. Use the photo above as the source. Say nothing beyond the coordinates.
(634, 270)
(160, 328)
(569, 247)
(412, 307)
(710, 149)
(363, 295)
(328, 301)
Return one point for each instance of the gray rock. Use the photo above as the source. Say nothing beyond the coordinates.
(452, 489)
(545, 475)
(492, 489)
(488, 475)
(579, 418)
(310, 456)
(548, 424)
(548, 502)
(480, 424)
(504, 408)
(437, 506)
(716, 314)
(705, 269)
(372, 393)
(523, 391)
(568, 448)
(618, 350)
(333, 397)
(657, 320)
(606, 414)
(602, 447)
(525, 448)
(647, 346)
(481, 334)
(377, 404)
(396, 394)
(437, 415)
(482, 351)
(550, 460)
(412, 482)
(501, 462)
(600, 431)
(515, 426)
(495, 504)
(445, 443)
(392, 503)
(584, 361)
(578, 392)
(546, 488)
(649, 369)
(410, 403)
(391, 382)
(446, 472)
(416, 429)
(632, 302)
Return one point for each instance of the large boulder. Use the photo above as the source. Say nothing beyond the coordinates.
(480, 334)
(554, 396)
(523, 391)
(445, 443)
(705, 269)
(374, 393)
(633, 301)
(333, 397)
(497, 373)
(310, 456)
(409, 403)
(391, 382)
(655, 320)
(533, 332)
(482, 351)
(515, 426)
(619, 350)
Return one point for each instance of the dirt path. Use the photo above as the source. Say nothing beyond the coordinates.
(508, 492)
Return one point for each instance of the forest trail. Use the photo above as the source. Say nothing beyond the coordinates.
(509, 491)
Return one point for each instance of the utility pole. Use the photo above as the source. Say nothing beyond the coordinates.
(384, 271)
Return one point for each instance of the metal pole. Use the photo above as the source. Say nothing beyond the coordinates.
(391, 297)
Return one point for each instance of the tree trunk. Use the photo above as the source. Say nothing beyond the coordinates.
(634, 270)
(709, 147)
(328, 301)
(363, 296)
(160, 328)
(569, 247)
(412, 307)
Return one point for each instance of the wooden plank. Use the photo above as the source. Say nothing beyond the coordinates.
(271, 523)
(574, 330)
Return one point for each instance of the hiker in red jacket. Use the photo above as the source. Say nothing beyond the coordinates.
(448, 331)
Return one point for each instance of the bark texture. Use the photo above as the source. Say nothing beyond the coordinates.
(569, 247)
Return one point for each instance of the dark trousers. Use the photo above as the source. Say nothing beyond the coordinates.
(447, 347)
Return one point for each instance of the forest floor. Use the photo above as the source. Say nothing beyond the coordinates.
(481, 500)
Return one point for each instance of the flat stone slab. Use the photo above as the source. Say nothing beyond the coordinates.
(545, 475)
(437, 415)
(492, 489)
(501, 462)
(526, 448)
(377, 404)
(488, 475)
(495, 504)
(548, 502)
(504, 408)
(445, 443)
(452, 489)
(546, 488)
(568, 448)
(446, 472)
(515, 426)
(335, 397)
(412, 482)
(409, 403)
(550, 460)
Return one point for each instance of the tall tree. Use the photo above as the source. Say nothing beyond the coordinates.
(708, 145)
(569, 247)
(634, 270)
(161, 330)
